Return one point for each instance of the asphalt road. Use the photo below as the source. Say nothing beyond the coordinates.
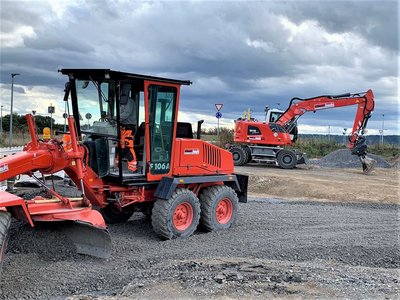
(280, 249)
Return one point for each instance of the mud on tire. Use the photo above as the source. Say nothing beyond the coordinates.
(5, 222)
(219, 205)
(176, 217)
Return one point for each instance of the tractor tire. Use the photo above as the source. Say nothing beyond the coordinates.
(5, 222)
(249, 156)
(239, 155)
(219, 206)
(286, 159)
(177, 217)
(113, 216)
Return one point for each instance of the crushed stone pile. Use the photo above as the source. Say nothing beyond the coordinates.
(343, 158)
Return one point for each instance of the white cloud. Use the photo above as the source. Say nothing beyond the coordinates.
(16, 37)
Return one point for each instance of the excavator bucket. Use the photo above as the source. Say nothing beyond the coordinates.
(368, 164)
(89, 240)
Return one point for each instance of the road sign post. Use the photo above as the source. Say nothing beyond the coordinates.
(218, 115)
(51, 111)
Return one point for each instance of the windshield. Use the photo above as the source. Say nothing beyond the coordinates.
(96, 103)
(274, 116)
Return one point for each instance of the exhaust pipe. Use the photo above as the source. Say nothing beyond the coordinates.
(199, 129)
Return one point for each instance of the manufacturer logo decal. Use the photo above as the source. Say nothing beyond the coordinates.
(324, 105)
(191, 152)
(3, 168)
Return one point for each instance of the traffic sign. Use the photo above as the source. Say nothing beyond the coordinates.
(218, 115)
(218, 106)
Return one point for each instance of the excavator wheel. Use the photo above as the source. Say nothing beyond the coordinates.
(219, 206)
(239, 155)
(112, 215)
(177, 217)
(248, 152)
(286, 159)
(5, 222)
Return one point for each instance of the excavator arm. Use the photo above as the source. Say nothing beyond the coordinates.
(365, 107)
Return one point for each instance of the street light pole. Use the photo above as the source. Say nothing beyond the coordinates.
(383, 126)
(11, 109)
(1, 120)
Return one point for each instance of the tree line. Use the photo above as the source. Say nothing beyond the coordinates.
(19, 123)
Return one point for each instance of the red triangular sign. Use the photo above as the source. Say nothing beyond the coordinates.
(218, 106)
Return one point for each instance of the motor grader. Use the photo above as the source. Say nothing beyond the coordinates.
(158, 168)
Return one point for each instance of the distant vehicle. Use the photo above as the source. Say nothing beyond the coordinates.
(266, 141)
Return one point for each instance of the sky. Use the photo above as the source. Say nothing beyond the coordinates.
(243, 54)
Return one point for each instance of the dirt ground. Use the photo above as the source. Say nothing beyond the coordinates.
(305, 233)
(310, 182)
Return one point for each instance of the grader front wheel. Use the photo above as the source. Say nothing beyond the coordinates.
(5, 222)
(219, 205)
(176, 217)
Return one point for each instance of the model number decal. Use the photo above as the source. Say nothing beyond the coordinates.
(159, 166)
(3, 168)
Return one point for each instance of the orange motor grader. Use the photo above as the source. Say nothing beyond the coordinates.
(128, 154)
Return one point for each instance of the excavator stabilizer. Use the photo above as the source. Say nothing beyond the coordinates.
(89, 240)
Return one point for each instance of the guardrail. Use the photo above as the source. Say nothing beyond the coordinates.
(9, 151)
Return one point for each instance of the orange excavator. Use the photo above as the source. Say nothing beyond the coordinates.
(266, 141)
(179, 181)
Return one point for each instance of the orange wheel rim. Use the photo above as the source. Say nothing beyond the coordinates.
(183, 216)
(224, 211)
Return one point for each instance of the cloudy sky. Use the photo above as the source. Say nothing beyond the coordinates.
(244, 54)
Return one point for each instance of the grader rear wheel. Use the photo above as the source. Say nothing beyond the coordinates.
(219, 205)
(176, 217)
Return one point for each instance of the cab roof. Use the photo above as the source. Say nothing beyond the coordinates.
(116, 75)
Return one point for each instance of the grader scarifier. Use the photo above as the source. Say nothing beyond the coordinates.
(130, 154)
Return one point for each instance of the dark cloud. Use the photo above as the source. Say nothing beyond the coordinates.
(244, 54)
(376, 21)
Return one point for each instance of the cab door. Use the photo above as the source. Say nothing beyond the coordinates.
(161, 107)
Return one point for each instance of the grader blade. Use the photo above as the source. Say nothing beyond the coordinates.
(368, 164)
(89, 240)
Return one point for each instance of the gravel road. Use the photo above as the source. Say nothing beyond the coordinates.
(279, 249)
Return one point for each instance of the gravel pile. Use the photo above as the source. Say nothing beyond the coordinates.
(343, 158)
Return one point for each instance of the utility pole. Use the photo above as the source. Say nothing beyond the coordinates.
(11, 109)
(329, 133)
(344, 136)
